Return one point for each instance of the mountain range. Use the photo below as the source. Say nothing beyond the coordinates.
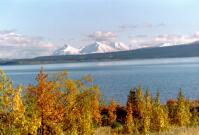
(100, 47)
(97, 47)
(164, 51)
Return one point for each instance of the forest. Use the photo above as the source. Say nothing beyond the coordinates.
(63, 106)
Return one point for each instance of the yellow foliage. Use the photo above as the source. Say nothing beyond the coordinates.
(129, 119)
(66, 106)
(112, 112)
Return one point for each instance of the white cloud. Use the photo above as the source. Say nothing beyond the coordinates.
(102, 36)
(14, 45)
(146, 41)
(140, 26)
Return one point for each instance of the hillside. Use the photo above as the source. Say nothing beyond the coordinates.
(187, 50)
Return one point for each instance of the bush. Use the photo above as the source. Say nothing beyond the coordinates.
(116, 125)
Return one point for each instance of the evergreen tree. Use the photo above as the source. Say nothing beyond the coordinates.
(132, 98)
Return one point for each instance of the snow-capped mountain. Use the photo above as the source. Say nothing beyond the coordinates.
(103, 47)
(119, 46)
(97, 47)
(67, 49)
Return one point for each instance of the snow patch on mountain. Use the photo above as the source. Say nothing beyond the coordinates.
(67, 50)
(119, 46)
(166, 44)
(97, 47)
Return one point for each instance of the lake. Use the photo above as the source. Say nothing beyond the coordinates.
(116, 78)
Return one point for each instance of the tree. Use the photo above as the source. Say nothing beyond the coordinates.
(85, 120)
(159, 121)
(17, 106)
(171, 106)
(195, 117)
(132, 98)
(183, 114)
(139, 121)
(18, 112)
(140, 101)
(129, 123)
(46, 99)
(82, 106)
(72, 113)
(6, 94)
(112, 112)
(96, 110)
(147, 112)
(12, 110)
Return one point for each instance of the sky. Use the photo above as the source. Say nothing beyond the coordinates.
(30, 28)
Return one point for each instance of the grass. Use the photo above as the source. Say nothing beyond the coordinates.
(181, 131)
(176, 131)
(103, 131)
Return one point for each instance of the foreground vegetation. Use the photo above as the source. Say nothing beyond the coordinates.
(61, 105)
(174, 131)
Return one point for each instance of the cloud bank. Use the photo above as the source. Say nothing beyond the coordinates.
(15, 45)
(140, 26)
(102, 36)
(141, 41)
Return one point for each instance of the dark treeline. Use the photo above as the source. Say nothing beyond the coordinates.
(66, 106)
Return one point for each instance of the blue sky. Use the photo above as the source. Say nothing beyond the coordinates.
(52, 23)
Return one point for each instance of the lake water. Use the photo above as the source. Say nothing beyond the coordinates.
(116, 78)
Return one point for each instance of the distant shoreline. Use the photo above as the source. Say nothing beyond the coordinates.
(86, 61)
(178, 51)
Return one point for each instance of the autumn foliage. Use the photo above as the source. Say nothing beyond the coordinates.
(62, 105)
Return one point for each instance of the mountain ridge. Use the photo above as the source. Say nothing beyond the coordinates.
(96, 47)
(177, 51)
